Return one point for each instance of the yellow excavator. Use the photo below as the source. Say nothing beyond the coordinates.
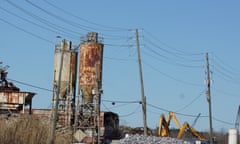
(163, 130)
(195, 133)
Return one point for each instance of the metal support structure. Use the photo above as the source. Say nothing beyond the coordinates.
(195, 120)
(142, 87)
(208, 92)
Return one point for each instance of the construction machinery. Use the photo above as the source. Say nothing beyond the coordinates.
(195, 133)
(195, 120)
(164, 131)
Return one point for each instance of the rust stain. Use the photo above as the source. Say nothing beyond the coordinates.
(68, 76)
(13, 99)
(90, 55)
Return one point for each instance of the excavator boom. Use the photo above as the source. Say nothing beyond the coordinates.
(192, 130)
(164, 131)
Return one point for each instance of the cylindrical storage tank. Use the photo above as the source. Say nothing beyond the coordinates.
(232, 136)
(90, 69)
(68, 57)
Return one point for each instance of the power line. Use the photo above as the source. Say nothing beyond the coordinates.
(23, 30)
(221, 121)
(33, 23)
(166, 110)
(131, 113)
(177, 51)
(188, 115)
(173, 54)
(121, 101)
(110, 28)
(167, 60)
(125, 115)
(82, 27)
(221, 91)
(119, 59)
(34, 86)
(225, 76)
(171, 77)
(229, 67)
(191, 102)
(46, 22)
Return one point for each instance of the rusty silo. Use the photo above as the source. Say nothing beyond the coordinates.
(65, 60)
(89, 85)
(90, 69)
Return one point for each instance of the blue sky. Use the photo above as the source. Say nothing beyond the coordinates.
(174, 38)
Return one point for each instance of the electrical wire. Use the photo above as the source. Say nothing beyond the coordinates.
(131, 113)
(225, 66)
(125, 102)
(30, 85)
(118, 106)
(175, 55)
(171, 77)
(226, 76)
(119, 59)
(125, 115)
(188, 115)
(167, 60)
(44, 21)
(121, 101)
(59, 18)
(33, 23)
(221, 91)
(109, 28)
(177, 51)
(224, 122)
(82, 27)
(25, 31)
(191, 102)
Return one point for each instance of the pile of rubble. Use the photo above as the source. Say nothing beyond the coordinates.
(140, 139)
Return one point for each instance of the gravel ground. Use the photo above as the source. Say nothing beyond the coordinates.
(140, 139)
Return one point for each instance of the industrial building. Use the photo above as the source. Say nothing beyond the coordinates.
(12, 100)
(81, 109)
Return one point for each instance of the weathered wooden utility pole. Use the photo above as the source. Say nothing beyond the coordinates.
(142, 88)
(208, 92)
(56, 92)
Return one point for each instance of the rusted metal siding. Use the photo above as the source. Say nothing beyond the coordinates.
(91, 55)
(68, 76)
(12, 97)
(13, 100)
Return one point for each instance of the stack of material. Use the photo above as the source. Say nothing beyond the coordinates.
(140, 139)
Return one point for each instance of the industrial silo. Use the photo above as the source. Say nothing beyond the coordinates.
(66, 57)
(65, 75)
(90, 69)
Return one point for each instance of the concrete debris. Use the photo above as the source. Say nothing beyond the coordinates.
(140, 139)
